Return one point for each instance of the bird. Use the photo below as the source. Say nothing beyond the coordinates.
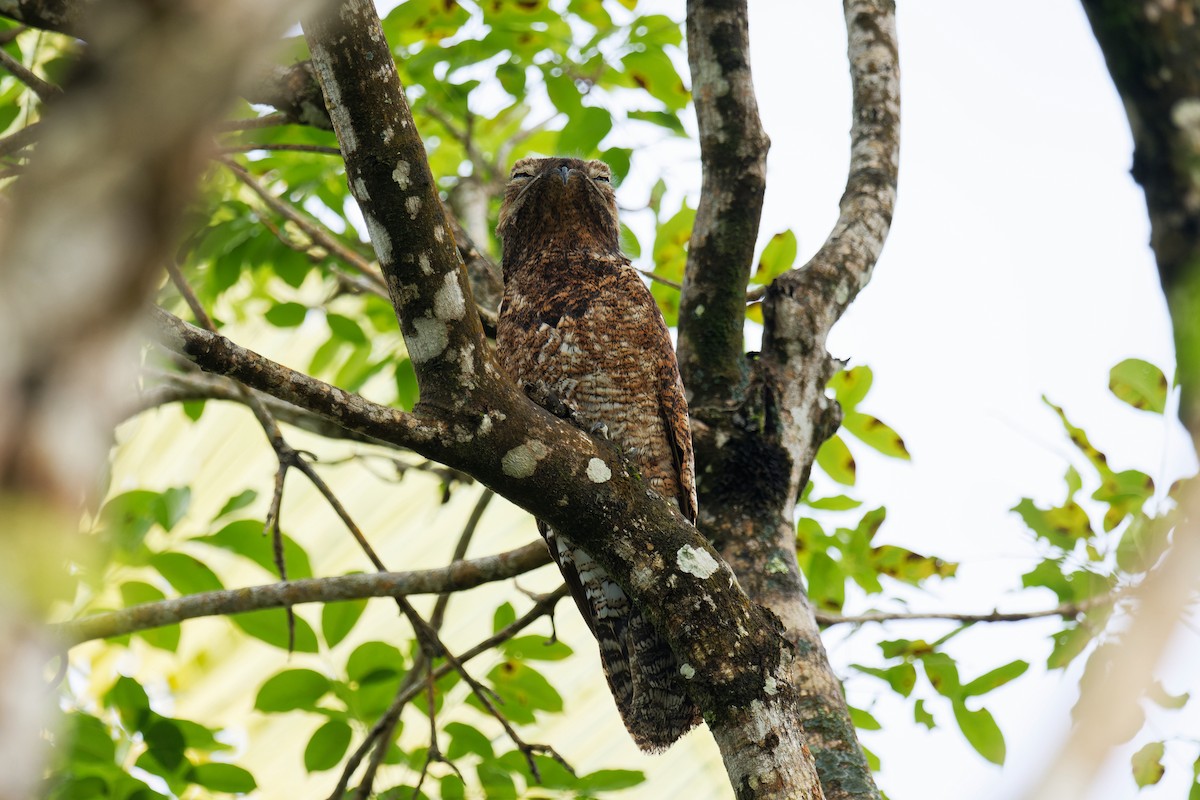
(580, 333)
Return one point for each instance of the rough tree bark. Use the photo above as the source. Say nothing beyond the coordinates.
(758, 420)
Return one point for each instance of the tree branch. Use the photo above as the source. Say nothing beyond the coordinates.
(733, 150)
(457, 577)
(1066, 610)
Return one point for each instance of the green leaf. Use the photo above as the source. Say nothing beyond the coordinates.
(838, 502)
(584, 131)
(901, 677)
(91, 740)
(372, 661)
(165, 742)
(171, 506)
(943, 674)
(665, 119)
(129, 699)
(652, 70)
(327, 746)
(187, 574)
(346, 328)
(1068, 644)
(338, 619)
(609, 780)
(193, 409)
(826, 583)
(271, 626)
(1141, 545)
(406, 384)
(922, 716)
(286, 315)
(863, 720)
(995, 678)
(981, 731)
(873, 433)
(465, 739)
(237, 502)
(504, 616)
(535, 648)
(777, 258)
(223, 778)
(523, 690)
(1147, 764)
(246, 538)
(835, 459)
(850, 386)
(292, 689)
(1140, 384)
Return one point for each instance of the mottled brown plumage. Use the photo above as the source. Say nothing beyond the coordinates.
(579, 330)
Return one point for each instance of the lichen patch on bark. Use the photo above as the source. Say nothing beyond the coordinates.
(598, 471)
(695, 561)
(521, 461)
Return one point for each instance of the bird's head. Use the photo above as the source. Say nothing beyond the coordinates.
(558, 203)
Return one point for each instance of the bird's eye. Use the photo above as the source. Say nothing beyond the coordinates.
(602, 179)
(521, 175)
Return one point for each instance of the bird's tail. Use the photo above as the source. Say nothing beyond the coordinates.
(642, 672)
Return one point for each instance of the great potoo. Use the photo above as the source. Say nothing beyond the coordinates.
(581, 333)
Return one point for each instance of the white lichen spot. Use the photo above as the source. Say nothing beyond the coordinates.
(449, 302)
(379, 238)
(333, 98)
(695, 561)
(412, 205)
(360, 189)
(759, 726)
(1186, 116)
(770, 686)
(521, 461)
(699, 312)
(400, 174)
(842, 294)
(485, 425)
(423, 263)
(598, 471)
(776, 565)
(687, 671)
(439, 233)
(722, 438)
(428, 339)
(388, 134)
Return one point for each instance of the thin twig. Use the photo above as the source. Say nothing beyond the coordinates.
(456, 577)
(314, 230)
(460, 552)
(1067, 610)
(387, 722)
(294, 148)
(660, 279)
(39, 86)
(266, 121)
(19, 140)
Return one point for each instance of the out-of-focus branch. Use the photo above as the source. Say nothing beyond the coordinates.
(62, 16)
(457, 577)
(1108, 709)
(118, 156)
(733, 150)
(41, 87)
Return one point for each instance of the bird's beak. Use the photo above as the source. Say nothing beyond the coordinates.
(564, 171)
